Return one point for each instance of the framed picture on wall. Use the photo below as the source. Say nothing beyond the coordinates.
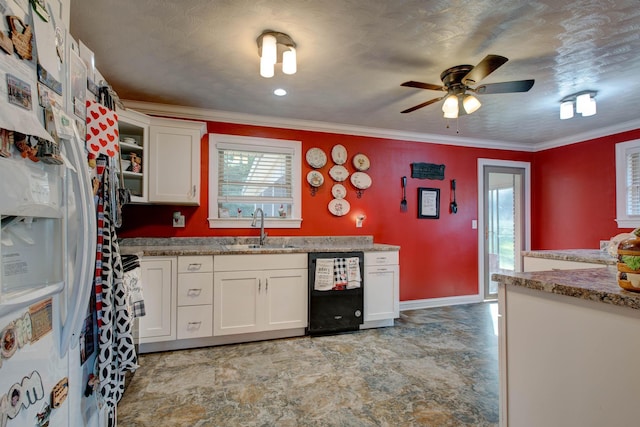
(429, 203)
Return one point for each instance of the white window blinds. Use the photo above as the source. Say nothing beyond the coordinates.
(633, 182)
(254, 176)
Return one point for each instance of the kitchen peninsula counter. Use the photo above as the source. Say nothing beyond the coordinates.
(594, 256)
(179, 246)
(568, 341)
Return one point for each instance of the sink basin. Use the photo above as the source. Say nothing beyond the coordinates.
(256, 247)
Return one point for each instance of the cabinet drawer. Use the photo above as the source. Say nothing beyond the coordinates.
(195, 321)
(381, 258)
(195, 264)
(195, 288)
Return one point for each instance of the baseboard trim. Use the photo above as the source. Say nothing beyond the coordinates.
(439, 302)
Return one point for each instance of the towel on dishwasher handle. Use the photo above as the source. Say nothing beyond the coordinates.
(339, 274)
(354, 280)
(324, 274)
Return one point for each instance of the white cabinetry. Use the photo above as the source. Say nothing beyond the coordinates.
(255, 293)
(195, 297)
(546, 264)
(158, 283)
(174, 165)
(134, 125)
(381, 289)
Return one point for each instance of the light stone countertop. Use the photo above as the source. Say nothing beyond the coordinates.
(594, 284)
(175, 246)
(594, 256)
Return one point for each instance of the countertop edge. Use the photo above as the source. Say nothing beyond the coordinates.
(591, 256)
(597, 285)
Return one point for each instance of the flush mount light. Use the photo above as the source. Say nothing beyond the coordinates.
(585, 104)
(280, 92)
(275, 47)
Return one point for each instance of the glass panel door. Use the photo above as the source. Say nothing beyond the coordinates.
(504, 223)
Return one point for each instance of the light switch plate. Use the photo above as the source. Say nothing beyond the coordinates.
(178, 220)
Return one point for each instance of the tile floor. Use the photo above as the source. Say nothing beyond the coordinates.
(436, 367)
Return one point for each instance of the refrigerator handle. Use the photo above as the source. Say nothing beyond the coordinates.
(78, 298)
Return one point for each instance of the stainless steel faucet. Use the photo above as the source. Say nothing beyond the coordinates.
(263, 234)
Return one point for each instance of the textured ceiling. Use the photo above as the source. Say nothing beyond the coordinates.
(353, 55)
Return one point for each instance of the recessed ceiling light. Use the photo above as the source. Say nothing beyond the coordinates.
(280, 92)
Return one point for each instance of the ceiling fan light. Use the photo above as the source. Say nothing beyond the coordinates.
(289, 65)
(451, 114)
(450, 106)
(566, 110)
(266, 68)
(582, 102)
(589, 109)
(471, 104)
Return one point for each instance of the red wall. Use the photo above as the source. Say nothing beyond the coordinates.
(438, 257)
(574, 194)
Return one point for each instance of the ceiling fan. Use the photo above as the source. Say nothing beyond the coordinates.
(457, 81)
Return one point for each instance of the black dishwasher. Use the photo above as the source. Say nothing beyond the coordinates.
(337, 306)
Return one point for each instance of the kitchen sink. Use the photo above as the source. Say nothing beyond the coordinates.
(256, 247)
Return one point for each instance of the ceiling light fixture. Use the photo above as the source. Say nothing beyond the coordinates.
(275, 47)
(280, 92)
(450, 107)
(585, 104)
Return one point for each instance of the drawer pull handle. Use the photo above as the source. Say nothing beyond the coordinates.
(194, 292)
(194, 266)
(259, 285)
(266, 288)
(194, 325)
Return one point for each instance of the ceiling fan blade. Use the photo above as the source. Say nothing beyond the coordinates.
(421, 85)
(488, 65)
(424, 104)
(506, 87)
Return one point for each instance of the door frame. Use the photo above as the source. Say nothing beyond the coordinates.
(481, 201)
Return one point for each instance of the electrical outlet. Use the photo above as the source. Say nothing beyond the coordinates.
(178, 219)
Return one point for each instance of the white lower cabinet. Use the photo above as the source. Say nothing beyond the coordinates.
(195, 297)
(256, 293)
(381, 289)
(158, 275)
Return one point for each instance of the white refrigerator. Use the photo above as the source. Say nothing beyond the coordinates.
(48, 342)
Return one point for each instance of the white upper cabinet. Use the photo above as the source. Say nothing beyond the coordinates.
(174, 161)
(134, 140)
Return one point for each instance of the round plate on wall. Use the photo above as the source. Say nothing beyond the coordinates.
(361, 180)
(339, 173)
(338, 191)
(339, 154)
(339, 207)
(361, 162)
(315, 178)
(316, 158)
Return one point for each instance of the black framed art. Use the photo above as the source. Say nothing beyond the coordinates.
(429, 203)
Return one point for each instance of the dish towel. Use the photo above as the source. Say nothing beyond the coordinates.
(354, 280)
(324, 274)
(339, 274)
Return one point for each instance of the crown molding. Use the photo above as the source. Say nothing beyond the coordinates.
(585, 136)
(194, 113)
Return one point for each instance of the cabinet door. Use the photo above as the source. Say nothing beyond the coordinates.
(134, 138)
(285, 299)
(158, 284)
(236, 304)
(174, 169)
(381, 292)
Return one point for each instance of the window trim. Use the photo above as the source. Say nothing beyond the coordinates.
(622, 150)
(269, 144)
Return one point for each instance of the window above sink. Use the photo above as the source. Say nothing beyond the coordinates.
(247, 173)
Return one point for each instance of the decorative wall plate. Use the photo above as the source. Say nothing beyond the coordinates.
(315, 178)
(361, 180)
(339, 207)
(338, 191)
(361, 162)
(339, 173)
(316, 158)
(339, 154)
